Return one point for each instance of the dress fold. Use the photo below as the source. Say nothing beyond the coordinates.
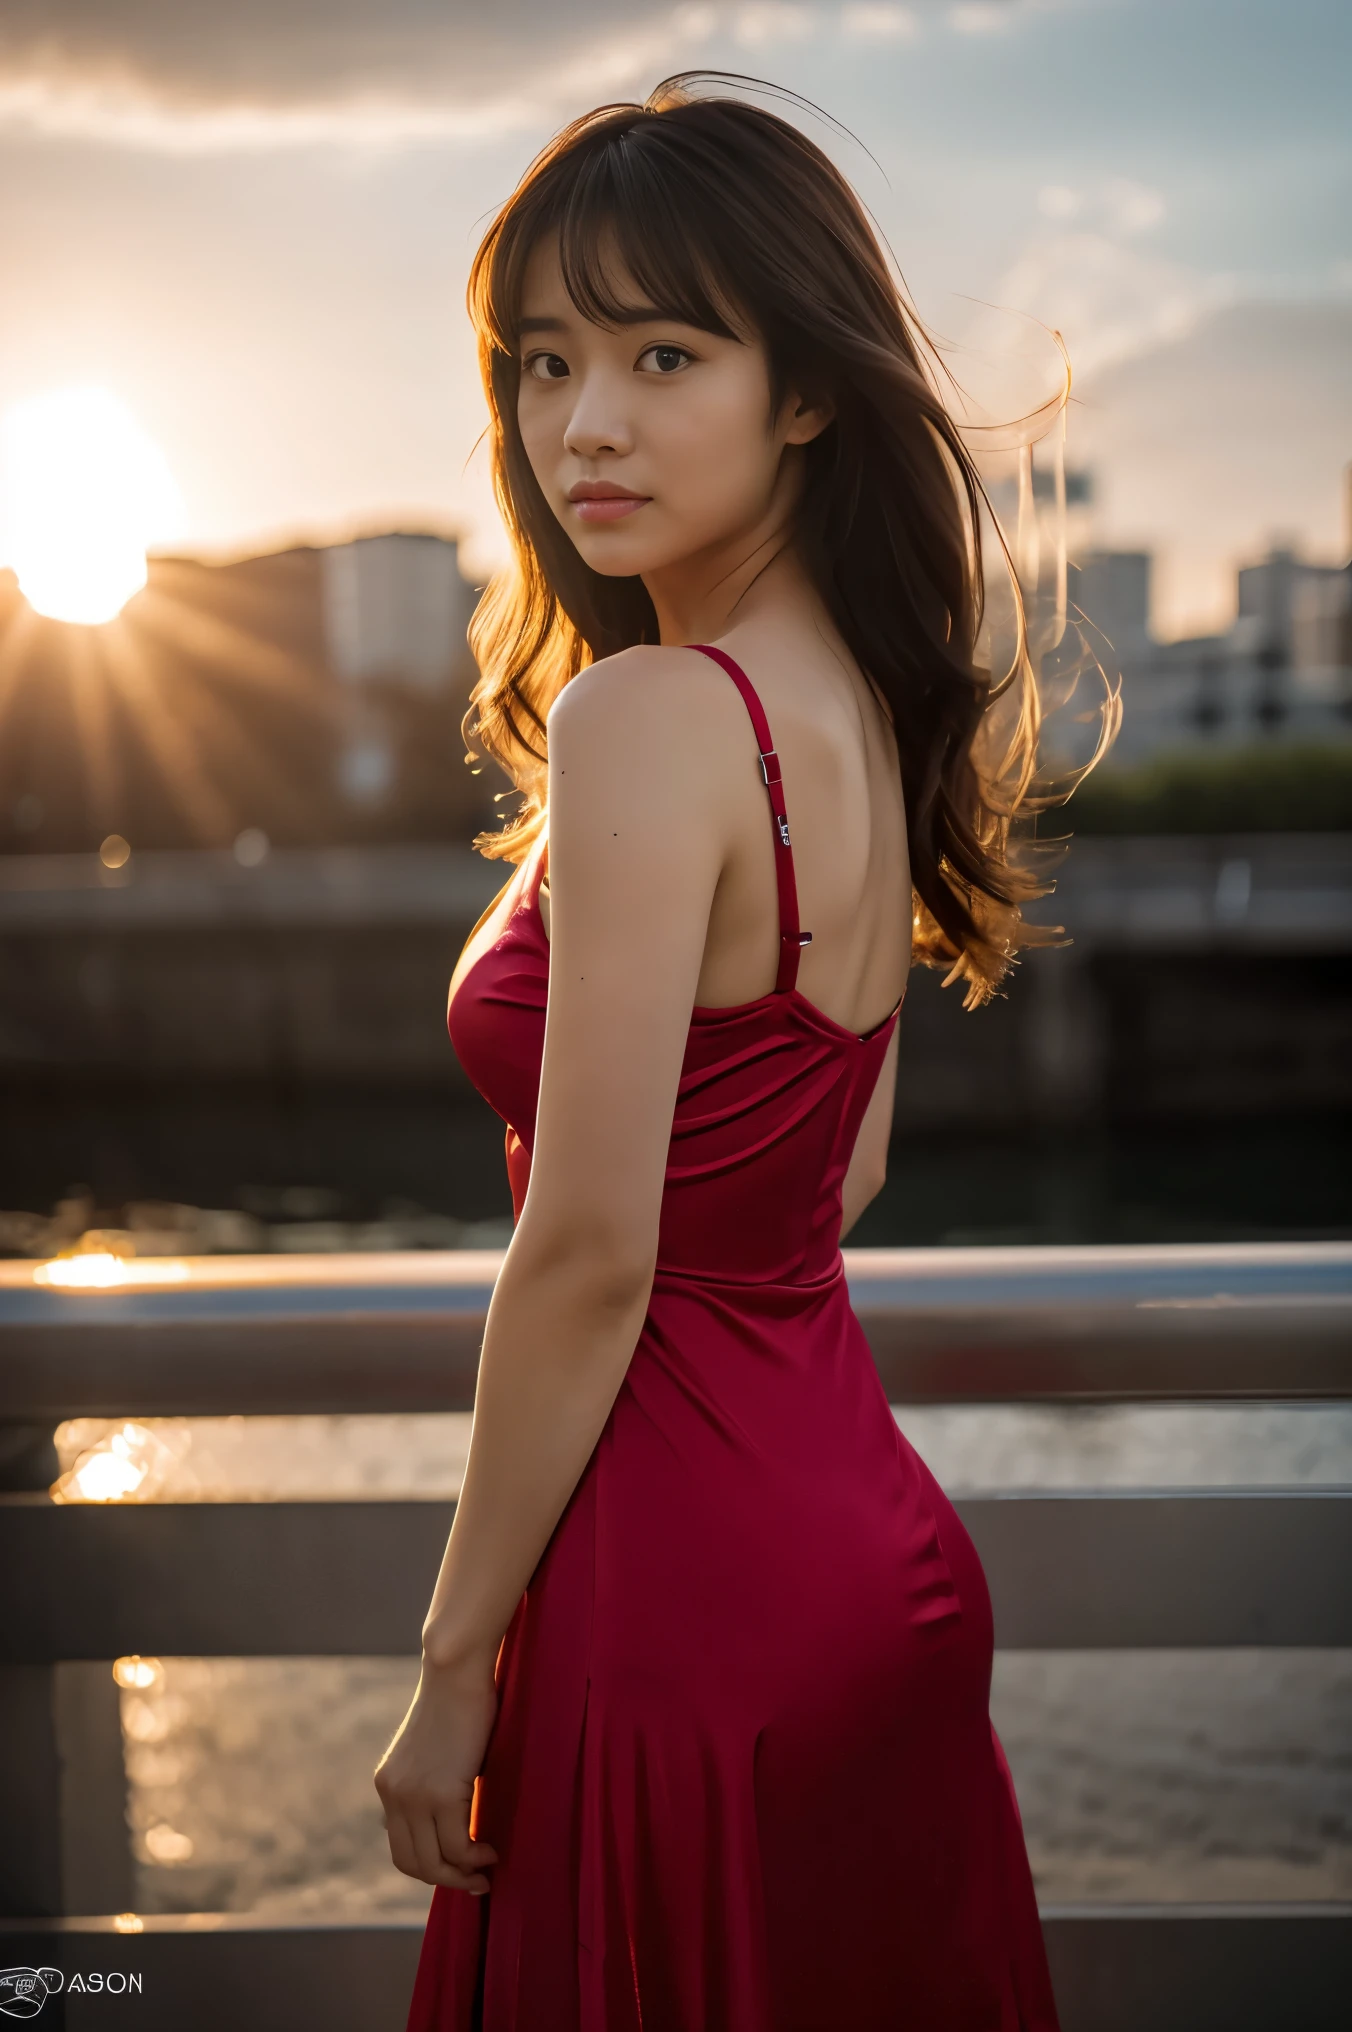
(743, 1776)
(671, 1926)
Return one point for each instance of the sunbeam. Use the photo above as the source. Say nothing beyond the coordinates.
(178, 756)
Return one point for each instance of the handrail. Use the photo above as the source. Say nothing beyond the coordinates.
(1079, 1568)
(401, 1332)
(1124, 1968)
(1069, 1569)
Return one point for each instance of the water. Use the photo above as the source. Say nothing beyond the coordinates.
(1148, 1775)
(405, 1167)
(1239, 1180)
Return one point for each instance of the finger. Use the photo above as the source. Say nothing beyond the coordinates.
(402, 1852)
(456, 1843)
(409, 1859)
(434, 1867)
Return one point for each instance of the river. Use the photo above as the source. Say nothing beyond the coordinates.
(1141, 1775)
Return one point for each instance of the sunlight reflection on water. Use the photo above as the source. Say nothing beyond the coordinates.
(1174, 1775)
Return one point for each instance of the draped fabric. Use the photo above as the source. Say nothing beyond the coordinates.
(743, 1776)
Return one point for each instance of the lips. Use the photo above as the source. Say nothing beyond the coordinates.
(603, 501)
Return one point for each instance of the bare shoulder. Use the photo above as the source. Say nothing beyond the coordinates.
(633, 758)
(646, 693)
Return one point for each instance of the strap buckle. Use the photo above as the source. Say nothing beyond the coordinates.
(767, 755)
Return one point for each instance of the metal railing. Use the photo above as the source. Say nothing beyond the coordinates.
(83, 1584)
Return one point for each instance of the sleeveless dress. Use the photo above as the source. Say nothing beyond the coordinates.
(743, 1776)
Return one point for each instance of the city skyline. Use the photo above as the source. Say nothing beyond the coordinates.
(255, 236)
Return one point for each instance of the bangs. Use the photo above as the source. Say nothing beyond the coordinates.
(636, 239)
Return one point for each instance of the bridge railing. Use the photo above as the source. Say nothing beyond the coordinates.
(82, 1584)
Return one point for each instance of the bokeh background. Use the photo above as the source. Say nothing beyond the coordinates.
(242, 523)
(236, 247)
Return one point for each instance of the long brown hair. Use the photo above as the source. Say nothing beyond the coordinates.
(724, 216)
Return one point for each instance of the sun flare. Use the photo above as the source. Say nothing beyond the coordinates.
(100, 1270)
(85, 490)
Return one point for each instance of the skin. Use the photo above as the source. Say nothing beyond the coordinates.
(661, 896)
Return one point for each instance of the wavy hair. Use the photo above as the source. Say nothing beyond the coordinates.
(726, 217)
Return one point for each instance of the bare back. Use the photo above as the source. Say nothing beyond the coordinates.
(842, 789)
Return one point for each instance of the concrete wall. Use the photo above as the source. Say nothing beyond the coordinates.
(1204, 975)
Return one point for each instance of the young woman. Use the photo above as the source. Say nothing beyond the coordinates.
(701, 1741)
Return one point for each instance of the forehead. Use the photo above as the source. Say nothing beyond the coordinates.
(544, 290)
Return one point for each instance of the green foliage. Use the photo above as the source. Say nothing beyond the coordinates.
(1267, 789)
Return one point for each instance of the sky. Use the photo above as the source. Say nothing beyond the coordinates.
(253, 225)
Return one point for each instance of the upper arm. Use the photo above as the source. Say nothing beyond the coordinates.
(636, 848)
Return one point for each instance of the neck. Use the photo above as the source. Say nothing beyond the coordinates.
(700, 597)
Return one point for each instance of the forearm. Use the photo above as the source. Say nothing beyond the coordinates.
(561, 1329)
(856, 1194)
(850, 1209)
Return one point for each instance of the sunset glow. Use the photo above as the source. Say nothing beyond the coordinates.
(100, 1270)
(129, 1463)
(85, 490)
(137, 1673)
(111, 1476)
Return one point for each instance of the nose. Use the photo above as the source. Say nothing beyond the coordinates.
(598, 422)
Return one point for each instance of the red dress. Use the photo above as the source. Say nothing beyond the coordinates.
(743, 1776)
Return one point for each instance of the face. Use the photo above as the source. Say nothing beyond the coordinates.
(654, 443)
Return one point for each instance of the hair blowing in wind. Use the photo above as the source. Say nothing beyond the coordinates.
(723, 215)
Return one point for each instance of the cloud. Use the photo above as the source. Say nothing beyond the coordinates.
(880, 24)
(286, 77)
(277, 51)
(998, 17)
(1132, 207)
(1205, 447)
(982, 17)
(1089, 277)
(186, 79)
(1058, 201)
(763, 22)
(1111, 301)
(1124, 206)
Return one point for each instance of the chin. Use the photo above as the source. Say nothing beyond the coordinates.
(623, 560)
(613, 567)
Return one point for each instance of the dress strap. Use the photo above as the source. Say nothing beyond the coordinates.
(791, 939)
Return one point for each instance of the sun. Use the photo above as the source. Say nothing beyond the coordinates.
(85, 490)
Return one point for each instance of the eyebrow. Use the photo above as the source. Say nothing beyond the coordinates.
(640, 314)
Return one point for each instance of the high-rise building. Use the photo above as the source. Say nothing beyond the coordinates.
(1111, 588)
(395, 609)
(1293, 615)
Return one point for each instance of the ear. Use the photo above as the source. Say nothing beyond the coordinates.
(806, 417)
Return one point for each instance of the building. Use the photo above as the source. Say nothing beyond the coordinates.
(1111, 588)
(395, 610)
(1293, 615)
(309, 697)
(1281, 672)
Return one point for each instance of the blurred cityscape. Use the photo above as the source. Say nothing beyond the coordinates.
(237, 871)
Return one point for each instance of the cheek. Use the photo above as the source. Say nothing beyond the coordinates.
(541, 425)
(717, 441)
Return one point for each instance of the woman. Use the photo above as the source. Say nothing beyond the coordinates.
(701, 1741)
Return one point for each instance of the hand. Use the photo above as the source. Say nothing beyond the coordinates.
(426, 1777)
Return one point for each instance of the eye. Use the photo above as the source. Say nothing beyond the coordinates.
(547, 367)
(663, 359)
